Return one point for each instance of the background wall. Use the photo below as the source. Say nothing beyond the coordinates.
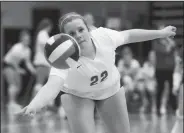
(19, 14)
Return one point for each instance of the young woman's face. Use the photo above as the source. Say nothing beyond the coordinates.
(77, 29)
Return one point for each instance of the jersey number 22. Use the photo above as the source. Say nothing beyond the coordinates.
(95, 79)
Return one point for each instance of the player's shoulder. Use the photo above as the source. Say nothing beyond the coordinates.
(17, 45)
(99, 30)
(42, 33)
(100, 33)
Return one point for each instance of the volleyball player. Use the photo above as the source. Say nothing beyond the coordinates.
(42, 66)
(96, 81)
(12, 70)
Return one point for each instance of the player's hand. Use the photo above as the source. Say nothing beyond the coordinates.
(26, 111)
(169, 31)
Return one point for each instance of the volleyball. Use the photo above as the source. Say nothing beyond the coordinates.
(62, 51)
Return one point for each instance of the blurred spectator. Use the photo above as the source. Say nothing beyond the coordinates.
(148, 74)
(41, 64)
(178, 73)
(165, 63)
(12, 70)
(129, 69)
(114, 23)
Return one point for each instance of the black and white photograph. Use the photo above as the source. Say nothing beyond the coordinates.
(92, 66)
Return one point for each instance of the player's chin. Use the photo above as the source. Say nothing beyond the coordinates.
(82, 43)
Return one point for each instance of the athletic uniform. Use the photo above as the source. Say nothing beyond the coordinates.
(99, 78)
(39, 59)
(16, 54)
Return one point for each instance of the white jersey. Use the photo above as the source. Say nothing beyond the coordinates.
(98, 78)
(41, 40)
(17, 53)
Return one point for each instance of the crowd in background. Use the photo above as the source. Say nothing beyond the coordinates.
(150, 84)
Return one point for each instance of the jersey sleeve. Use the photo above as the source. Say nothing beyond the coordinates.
(116, 36)
(42, 38)
(59, 72)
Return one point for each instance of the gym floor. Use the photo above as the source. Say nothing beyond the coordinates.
(140, 123)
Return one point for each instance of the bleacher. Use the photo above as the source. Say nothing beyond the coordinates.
(169, 13)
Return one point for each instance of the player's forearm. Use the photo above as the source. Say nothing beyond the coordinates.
(43, 97)
(139, 35)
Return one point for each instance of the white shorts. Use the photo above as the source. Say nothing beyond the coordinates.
(95, 95)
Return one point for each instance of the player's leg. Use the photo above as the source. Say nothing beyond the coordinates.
(114, 113)
(10, 77)
(42, 73)
(178, 126)
(13, 89)
(172, 98)
(151, 91)
(160, 90)
(165, 97)
(80, 113)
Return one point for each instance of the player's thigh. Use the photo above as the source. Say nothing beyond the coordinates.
(10, 76)
(80, 113)
(18, 79)
(114, 113)
(42, 73)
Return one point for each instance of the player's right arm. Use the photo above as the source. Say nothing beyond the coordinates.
(47, 93)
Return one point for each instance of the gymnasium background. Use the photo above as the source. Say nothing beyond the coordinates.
(16, 16)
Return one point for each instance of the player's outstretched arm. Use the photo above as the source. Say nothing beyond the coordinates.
(139, 35)
(46, 94)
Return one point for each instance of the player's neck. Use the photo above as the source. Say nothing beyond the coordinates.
(89, 50)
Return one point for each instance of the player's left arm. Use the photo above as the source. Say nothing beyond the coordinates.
(139, 35)
(28, 63)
